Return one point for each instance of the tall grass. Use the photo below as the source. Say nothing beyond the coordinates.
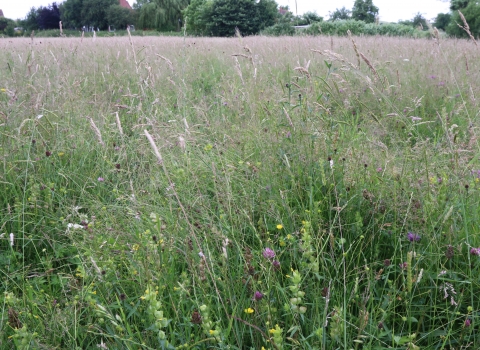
(289, 194)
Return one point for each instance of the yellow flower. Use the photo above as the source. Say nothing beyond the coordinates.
(289, 236)
(61, 154)
(3, 90)
(282, 243)
(211, 331)
(249, 310)
(279, 226)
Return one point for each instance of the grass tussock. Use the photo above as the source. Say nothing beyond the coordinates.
(277, 193)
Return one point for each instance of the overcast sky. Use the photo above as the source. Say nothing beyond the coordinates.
(390, 10)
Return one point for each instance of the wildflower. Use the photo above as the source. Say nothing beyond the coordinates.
(100, 179)
(415, 119)
(268, 253)
(257, 296)
(48, 154)
(279, 226)
(3, 90)
(249, 310)
(468, 322)
(386, 262)
(450, 252)
(12, 237)
(379, 169)
(413, 237)
(276, 264)
(403, 265)
(475, 251)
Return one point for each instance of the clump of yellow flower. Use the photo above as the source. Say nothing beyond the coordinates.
(279, 226)
(249, 310)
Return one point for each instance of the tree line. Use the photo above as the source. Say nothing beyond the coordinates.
(221, 17)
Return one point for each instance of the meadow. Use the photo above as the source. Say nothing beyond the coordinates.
(241, 193)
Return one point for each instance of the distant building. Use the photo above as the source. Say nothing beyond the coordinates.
(1, 13)
(125, 4)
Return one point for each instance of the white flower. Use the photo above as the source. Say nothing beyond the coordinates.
(74, 226)
(12, 237)
(331, 163)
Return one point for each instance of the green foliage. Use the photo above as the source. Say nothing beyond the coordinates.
(456, 5)
(340, 14)
(30, 22)
(279, 29)
(94, 13)
(308, 18)
(246, 15)
(119, 16)
(161, 14)
(419, 21)
(472, 15)
(364, 10)
(71, 13)
(5, 23)
(361, 28)
(442, 21)
(197, 15)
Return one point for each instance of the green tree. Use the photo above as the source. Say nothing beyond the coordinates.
(442, 20)
(472, 16)
(309, 18)
(5, 24)
(456, 5)
(340, 14)
(161, 14)
(196, 16)
(419, 21)
(71, 13)
(94, 13)
(30, 21)
(246, 15)
(364, 10)
(119, 16)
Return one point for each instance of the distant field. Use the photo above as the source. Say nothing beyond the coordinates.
(242, 193)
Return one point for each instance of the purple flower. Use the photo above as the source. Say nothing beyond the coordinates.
(403, 266)
(268, 253)
(257, 296)
(468, 322)
(100, 179)
(441, 83)
(475, 251)
(433, 77)
(276, 264)
(413, 237)
(379, 169)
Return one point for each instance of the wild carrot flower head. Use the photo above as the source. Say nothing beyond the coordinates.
(268, 253)
(413, 237)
